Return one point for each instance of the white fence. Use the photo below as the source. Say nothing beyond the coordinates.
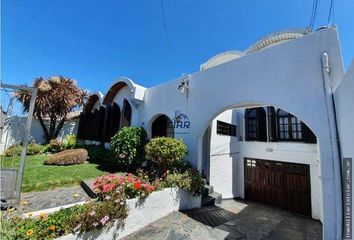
(14, 129)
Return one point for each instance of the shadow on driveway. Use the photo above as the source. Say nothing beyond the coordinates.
(233, 219)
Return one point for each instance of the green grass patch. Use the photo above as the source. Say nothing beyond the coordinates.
(40, 177)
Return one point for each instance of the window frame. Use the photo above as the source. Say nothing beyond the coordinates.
(290, 125)
(259, 124)
(230, 131)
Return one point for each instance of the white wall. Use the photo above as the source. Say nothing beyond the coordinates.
(224, 151)
(14, 134)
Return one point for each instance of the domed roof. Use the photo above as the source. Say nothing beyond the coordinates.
(266, 42)
(221, 58)
(277, 38)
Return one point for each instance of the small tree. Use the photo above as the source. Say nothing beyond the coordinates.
(56, 97)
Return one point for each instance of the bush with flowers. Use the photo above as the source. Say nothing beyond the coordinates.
(97, 214)
(132, 186)
(127, 147)
(90, 216)
(190, 180)
(41, 227)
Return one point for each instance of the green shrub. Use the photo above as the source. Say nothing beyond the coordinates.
(33, 149)
(190, 180)
(167, 153)
(15, 150)
(97, 153)
(127, 147)
(44, 148)
(54, 146)
(67, 157)
(70, 141)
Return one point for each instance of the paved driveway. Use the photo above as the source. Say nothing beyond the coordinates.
(233, 219)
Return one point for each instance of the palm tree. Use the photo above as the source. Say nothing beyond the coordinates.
(56, 97)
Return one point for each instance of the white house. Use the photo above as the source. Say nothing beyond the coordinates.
(271, 123)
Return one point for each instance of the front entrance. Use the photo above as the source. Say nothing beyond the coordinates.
(281, 184)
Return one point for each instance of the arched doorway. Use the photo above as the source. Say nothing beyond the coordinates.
(243, 157)
(126, 114)
(162, 127)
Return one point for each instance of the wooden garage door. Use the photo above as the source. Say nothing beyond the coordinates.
(284, 185)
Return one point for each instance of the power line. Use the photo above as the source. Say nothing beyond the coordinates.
(315, 7)
(331, 13)
(312, 12)
(166, 32)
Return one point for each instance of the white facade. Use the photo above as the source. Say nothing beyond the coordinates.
(295, 71)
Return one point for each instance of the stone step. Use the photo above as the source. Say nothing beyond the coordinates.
(209, 188)
(208, 201)
(217, 197)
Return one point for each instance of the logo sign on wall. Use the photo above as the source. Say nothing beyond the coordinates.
(180, 123)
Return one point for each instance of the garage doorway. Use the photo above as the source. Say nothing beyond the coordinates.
(281, 184)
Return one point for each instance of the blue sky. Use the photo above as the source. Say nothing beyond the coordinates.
(95, 42)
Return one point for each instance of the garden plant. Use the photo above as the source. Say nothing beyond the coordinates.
(114, 190)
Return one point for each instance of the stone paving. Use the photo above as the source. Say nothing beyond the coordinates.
(233, 219)
(35, 201)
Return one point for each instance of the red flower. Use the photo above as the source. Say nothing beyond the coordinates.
(137, 185)
(109, 187)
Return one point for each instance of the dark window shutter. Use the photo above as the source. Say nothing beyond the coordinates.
(101, 124)
(96, 125)
(247, 138)
(81, 126)
(272, 130)
(308, 135)
(262, 125)
(107, 123)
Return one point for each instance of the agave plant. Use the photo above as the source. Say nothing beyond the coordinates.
(56, 97)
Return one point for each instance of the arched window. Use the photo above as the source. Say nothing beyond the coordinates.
(290, 128)
(162, 127)
(127, 114)
(255, 124)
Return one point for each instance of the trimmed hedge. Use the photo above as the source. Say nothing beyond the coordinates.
(167, 153)
(54, 146)
(32, 149)
(68, 157)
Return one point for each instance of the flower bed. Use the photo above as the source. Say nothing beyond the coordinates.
(125, 204)
(142, 212)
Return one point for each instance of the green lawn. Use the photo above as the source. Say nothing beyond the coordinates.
(40, 177)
